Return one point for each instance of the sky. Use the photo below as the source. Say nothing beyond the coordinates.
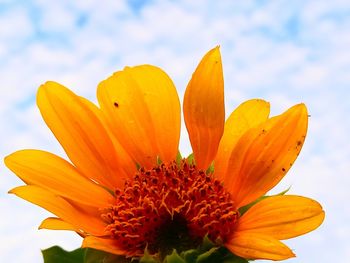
(285, 52)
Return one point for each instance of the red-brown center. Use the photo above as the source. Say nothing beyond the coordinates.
(169, 206)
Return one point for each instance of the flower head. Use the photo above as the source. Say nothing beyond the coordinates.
(126, 188)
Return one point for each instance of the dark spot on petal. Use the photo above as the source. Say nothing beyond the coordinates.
(283, 169)
(116, 104)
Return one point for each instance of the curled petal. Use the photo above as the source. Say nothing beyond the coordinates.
(81, 133)
(142, 106)
(247, 115)
(104, 244)
(282, 217)
(126, 167)
(51, 172)
(264, 154)
(257, 246)
(204, 110)
(55, 223)
(61, 208)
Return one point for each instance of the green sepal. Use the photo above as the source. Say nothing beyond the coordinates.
(219, 255)
(178, 158)
(147, 258)
(190, 159)
(284, 192)
(228, 257)
(56, 254)
(245, 208)
(190, 256)
(210, 169)
(206, 245)
(208, 256)
(174, 258)
(208, 252)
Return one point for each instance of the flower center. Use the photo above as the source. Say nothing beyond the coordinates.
(170, 206)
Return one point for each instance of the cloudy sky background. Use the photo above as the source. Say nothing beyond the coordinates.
(285, 52)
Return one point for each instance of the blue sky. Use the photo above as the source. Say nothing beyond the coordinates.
(285, 52)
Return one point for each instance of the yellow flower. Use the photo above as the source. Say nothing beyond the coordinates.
(125, 188)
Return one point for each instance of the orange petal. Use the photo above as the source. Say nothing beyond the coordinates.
(80, 132)
(127, 166)
(56, 175)
(55, 223)
(107, 245)
(264, 154)
(257, 246)
(204, 109)
(143, 108)
(282, 217)
(61, 208)
(247, 115)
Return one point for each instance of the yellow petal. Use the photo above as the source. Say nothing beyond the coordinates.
(56, 175)
(247, 115)
(257, 246)
(143, 109)
(55, 223)
(204, 109)
(264, 154)
(61, 208)
(107, 245)
(282, 217)
(80, 132)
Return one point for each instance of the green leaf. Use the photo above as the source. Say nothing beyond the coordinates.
(56, 254)
(174, 258)
(206, 253)
(97, 256)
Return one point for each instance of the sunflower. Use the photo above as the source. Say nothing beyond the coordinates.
(127, 188)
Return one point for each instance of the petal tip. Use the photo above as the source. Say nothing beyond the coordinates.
(7, 159)
(48, 89)
(292, 254)
(13, 191)
(301, 107)
(47, 85)
(214, 54)
(322, 216)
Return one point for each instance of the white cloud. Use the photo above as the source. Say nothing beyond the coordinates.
(82, 42)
